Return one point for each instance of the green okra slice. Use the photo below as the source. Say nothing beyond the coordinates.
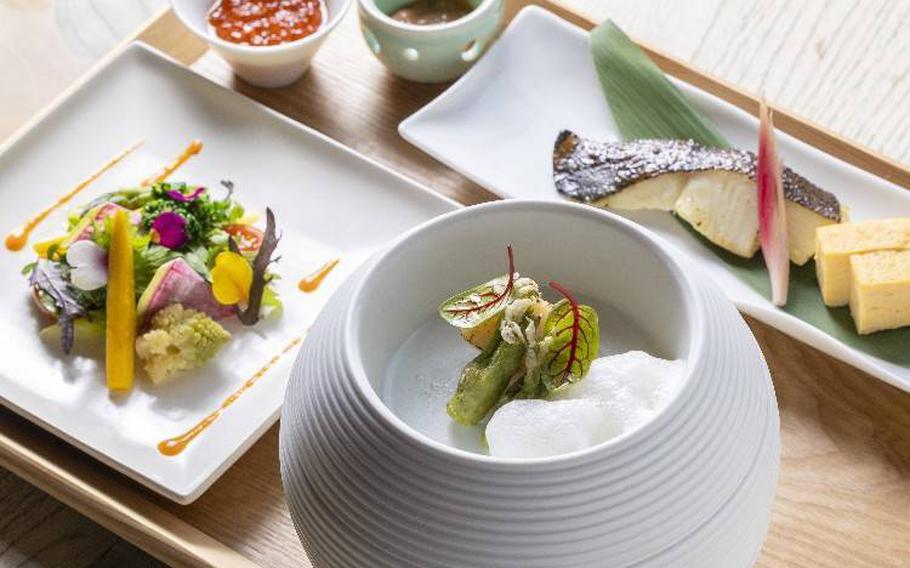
(484, 379)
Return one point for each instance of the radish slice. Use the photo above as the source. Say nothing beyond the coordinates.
(772, 219)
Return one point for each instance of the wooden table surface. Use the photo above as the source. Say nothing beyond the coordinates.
(846, 436)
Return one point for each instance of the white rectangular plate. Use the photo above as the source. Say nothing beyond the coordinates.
(497, 125)
(329, 202)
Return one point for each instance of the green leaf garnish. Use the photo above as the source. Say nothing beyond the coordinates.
(644, 103)
(147, 258)
(202, 214)
(478, 304)
(573, 336)
(197, 258)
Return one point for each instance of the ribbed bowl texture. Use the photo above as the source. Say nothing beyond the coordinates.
(691, 488)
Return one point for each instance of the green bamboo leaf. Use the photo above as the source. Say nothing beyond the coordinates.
(644, 103)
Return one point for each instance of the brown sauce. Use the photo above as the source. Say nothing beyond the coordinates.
(17, 239)
(176, 445)
(432, 12)
(312, 281)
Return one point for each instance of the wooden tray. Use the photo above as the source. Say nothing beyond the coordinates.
(844, 495)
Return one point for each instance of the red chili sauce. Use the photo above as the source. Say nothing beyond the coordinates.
(265, 22)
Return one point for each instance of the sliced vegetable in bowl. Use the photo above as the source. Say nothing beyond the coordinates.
(529, 346)
(538, 386)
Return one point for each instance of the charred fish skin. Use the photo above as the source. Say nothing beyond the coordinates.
(589, 171)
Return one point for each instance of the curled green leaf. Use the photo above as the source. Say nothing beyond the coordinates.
(572, 339)
(473, 307)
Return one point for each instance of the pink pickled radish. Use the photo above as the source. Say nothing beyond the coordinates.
(772, 215)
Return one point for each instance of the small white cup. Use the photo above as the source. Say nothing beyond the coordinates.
(268, 66)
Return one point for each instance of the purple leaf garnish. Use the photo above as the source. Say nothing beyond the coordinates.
(250, 315)
(184, 198)
(48, 277)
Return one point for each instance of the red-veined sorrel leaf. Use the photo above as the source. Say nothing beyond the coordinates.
(772, 220)
(573, 333)
(472, 307)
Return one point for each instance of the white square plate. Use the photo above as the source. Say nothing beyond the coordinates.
(498, 123)
(329, 202)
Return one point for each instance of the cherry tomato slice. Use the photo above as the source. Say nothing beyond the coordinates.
(247, 237)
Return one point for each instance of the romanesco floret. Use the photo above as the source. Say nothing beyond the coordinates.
(178, 339)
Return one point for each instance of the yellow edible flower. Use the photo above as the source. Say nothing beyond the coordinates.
(42, 247)
(232, 276)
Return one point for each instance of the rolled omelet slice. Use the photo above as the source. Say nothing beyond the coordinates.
(835, 245)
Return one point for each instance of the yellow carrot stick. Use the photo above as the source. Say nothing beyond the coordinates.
(121, 306)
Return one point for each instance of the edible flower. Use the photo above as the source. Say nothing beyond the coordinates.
(177, 195)
(169, 230)
(232, 277)
(54, 246)
(88, 265)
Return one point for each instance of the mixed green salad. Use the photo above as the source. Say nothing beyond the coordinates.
(529, 347)
(156, 270)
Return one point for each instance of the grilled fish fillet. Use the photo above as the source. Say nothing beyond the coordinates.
(712, 189)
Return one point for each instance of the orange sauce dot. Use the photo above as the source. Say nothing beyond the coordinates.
(312, 281)
(194, 148)
(16, 240)
(174, 446)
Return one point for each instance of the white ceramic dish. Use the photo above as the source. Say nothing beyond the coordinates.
(692, 487)
(497, 126)
(265, 66)
(329, 201)
(428, 53)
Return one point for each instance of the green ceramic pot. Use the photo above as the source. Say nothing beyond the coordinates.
(428, 54)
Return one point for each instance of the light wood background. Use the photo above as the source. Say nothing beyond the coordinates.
(844, 65)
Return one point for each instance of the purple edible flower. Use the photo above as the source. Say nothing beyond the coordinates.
(177, 195)
(169, 230)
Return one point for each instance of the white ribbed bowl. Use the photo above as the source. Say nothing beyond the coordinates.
(692, 487)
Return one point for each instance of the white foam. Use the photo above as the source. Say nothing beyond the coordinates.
(618, 395)
(539, 428)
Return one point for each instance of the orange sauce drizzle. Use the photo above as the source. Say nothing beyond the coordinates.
(312, 281)
(194, 148)
(17, 239)
(175, 445)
